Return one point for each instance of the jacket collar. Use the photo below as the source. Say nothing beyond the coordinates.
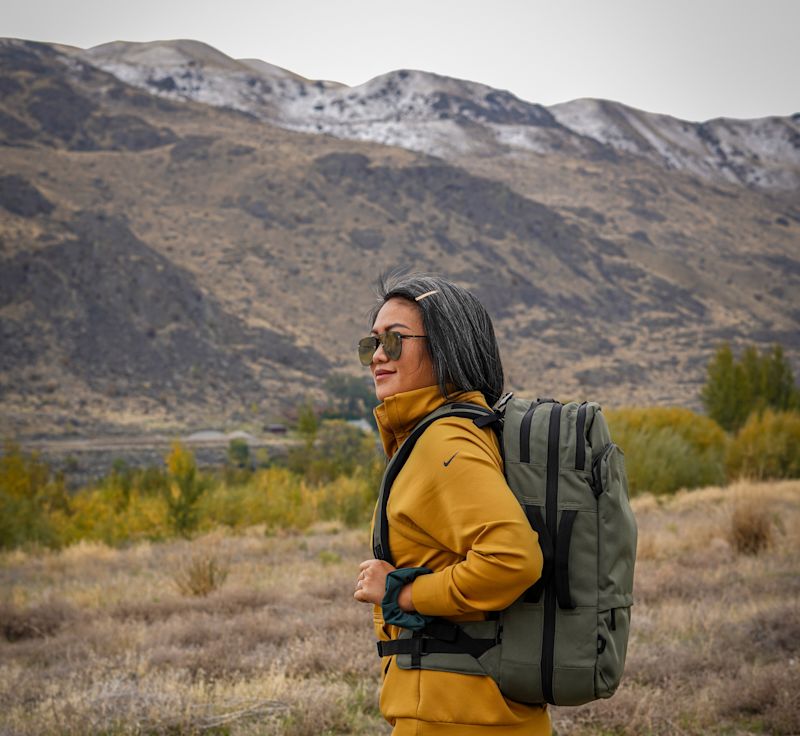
(399, 414)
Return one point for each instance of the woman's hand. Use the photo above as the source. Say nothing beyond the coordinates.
(371, 583)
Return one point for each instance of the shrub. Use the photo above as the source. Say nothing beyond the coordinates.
(349, 499)
(667, 448)
(326, 557)
(94, 514)
(28, 495)
(750, 530)
(151, 480)
(281, 499)
(201, 574)
(38, 621)
(767, 446)
(231, 505)
(339, 482)
(771, 698)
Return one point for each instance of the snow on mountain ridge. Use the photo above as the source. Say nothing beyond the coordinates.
(162, 54)
(762, 152)
(420, 111)
(272, 71)
(444, 116)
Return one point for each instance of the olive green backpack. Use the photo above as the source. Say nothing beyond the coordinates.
(564, 640)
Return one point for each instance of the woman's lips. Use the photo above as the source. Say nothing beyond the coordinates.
(383, 374)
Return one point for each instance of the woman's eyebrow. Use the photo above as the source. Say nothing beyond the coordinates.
(389, 327)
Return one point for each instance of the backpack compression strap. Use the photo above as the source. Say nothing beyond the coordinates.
(438, 637)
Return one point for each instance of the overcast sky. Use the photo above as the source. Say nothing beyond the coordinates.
(695, 59)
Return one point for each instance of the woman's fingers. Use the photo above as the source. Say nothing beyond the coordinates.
(371, 583)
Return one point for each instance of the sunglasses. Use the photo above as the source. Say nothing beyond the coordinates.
(392, 345)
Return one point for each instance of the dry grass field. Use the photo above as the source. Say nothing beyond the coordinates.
(95, 640)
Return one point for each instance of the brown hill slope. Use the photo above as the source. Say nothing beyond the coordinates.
(173, 263)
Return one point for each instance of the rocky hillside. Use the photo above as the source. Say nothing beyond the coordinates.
(171, 256)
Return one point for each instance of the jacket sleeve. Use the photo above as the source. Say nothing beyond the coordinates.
(466, 506)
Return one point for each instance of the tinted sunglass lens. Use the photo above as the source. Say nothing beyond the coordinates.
(392, 345)
(366, 349)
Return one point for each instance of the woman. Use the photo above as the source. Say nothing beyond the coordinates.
(450, 509)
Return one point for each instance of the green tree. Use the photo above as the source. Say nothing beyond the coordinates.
(756, 381)
(350, 397)
(238, 462)
(751, 383)
(342, 449)
(239, 454)
(28, 496)
(184, 489)
(719, 393)
(780, 391)
(307, 423)
(121, 482)
(339, 449)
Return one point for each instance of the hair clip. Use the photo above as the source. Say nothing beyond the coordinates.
(427, 293)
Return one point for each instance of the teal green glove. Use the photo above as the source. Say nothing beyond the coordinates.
(392, 613)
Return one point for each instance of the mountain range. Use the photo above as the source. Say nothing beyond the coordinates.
(192, 239)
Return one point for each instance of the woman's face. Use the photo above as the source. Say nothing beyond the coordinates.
(414, 368)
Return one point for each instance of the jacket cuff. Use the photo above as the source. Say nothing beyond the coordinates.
(392, 613)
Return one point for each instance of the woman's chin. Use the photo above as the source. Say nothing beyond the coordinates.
(385, 387)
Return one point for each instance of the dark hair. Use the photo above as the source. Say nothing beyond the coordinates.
(461, 339)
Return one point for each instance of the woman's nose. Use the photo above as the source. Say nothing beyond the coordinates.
(379, 356)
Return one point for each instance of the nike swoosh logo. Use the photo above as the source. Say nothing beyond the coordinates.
(447, 462)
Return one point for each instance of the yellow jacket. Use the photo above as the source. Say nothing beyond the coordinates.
(451, 510)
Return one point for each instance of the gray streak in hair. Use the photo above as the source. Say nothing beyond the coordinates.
(461, 340)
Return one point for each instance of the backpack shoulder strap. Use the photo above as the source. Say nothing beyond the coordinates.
(380, 530)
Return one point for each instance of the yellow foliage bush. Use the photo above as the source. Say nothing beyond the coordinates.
(698, 430)
(667, 448)
(767, 446)
(95, 515)
(29, 494)
(286, 500)
(350, 499)
(280, 498)
(261, 499)
(130, 505)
